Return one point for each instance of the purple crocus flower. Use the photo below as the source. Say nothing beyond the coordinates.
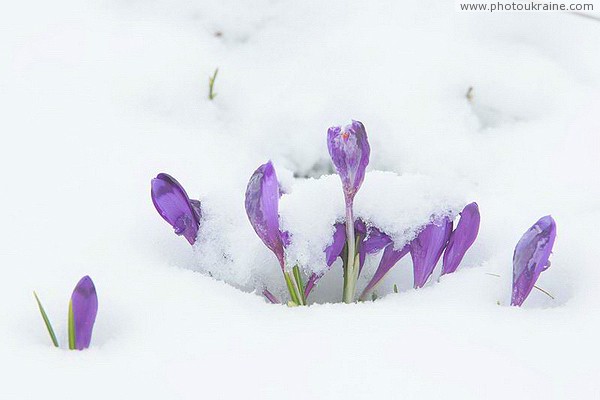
(390, 258)
(426, 249)
(531, 257)
(349, 150)
(84, 306)
(174, 205)
(461, 238)
(262, 207)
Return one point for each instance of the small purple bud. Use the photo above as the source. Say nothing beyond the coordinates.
(388, 260)
(84, 303)
(426, 249)
(262, 207)
(461, 238)
(531, 257)
(174, 205)
(349, 150)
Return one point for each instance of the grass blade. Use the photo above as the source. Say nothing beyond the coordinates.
(46, 320)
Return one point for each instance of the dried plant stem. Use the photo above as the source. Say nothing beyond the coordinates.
(535, 286)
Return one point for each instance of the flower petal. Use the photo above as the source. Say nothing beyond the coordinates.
(262, 208)
(426, 249)
(388, 260)
(269, 296)
(373, 243)
(85, 307)
(174, 205)
(349, 150)
(461, 238)
(531, 257)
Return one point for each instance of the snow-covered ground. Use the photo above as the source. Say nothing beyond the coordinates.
(97, 97)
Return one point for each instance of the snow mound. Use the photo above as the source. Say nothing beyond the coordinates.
(399, 205)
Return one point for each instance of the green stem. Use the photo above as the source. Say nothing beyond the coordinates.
(71, 326)
(211, 85)
(354, 272)
(291, 288)
(349, 283)
(299, 284)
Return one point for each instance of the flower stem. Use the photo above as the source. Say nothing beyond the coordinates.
(349, 273)
(299, 284)
(291, 288)
(71, 326)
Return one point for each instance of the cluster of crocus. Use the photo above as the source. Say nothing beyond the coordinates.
(83, 308)
(353, 239)
(426, 249)
(349, 150)
(531, 257)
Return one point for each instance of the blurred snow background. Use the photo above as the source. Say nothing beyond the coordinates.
(97, 97)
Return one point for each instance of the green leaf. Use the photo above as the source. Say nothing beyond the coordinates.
(291, 288)
(46, 320)
(71, 327)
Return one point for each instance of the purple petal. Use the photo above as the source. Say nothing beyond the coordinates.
(531, 257)
(85, 307)
(262, 207)
(174, 205)
(461, 238)
(270, 297)
(375, 241)
(349, 150)
(334, 250)
(196, 207)
(312, 281)
(388, 260)
(426, 249)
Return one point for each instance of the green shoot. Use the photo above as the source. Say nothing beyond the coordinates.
(71, 328)
(46, 320)
(211, 85)
(291, 288)
(299, 283)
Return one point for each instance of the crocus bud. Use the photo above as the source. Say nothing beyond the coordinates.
(174, 205)
(461, 238)
(82, 313)
(426, 249)
(262, 207)
(349, 150)
(531, 257)
(388, 260)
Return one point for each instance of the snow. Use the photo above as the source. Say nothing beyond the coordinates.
(98, 97)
